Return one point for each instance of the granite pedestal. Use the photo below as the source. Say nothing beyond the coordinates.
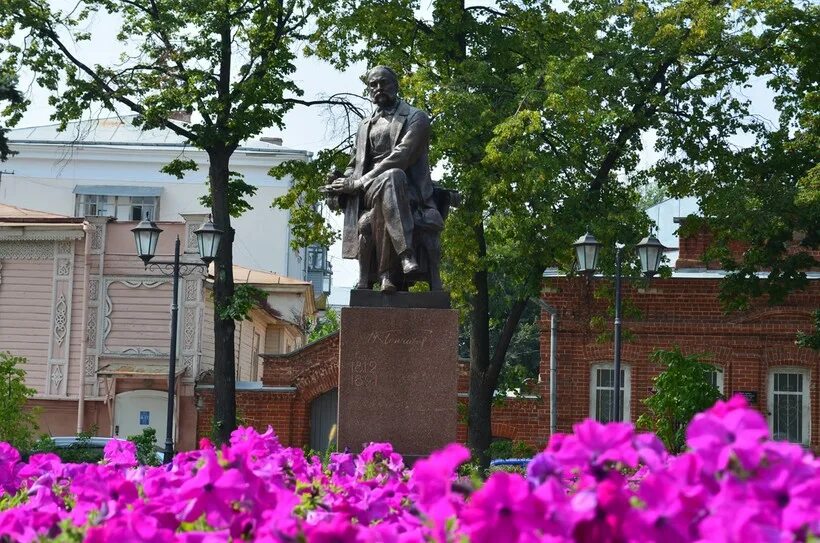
(398, 372)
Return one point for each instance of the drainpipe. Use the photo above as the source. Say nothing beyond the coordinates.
(553, 363)
(84, 343)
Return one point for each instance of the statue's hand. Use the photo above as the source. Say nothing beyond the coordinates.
(344, 185)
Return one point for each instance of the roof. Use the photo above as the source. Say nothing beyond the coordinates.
(257, 277)
(120, 131)
(13, 214)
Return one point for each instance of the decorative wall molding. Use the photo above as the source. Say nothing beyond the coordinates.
(97, 230)
(95, 260)
(90, 366)
(93, 289)
(108, 308)
(98, 237)
(193, 221)
(189, 329)
(192, 312)
(64, 248)
(14, 250)
(18, 234)
(193, 287)
(188, 364)
(1, 273)
(63, 267)
(190, 238)
(137, 283)
(62, 253)
(141, 351)
(91, 328)
(56, 377)
(61, 320)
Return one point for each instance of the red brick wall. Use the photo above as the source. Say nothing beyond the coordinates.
(676, 311)
(311, 370)
(257, 408)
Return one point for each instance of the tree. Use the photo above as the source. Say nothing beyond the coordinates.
(537, 117)
(811, 340)
(766, 196)
(8, 93)
(17, 424)
(325, 326)
(681, 391)
(227, 61)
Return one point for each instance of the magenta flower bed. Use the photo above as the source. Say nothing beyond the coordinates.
(602, 483)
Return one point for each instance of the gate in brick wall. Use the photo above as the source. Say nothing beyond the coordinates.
(323, 417)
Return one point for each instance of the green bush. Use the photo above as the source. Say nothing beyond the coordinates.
(507, 448)
(146, 447)
(79, 452)
(18, 424)
(681, 391)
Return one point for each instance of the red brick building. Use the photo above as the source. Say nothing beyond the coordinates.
(753, 351)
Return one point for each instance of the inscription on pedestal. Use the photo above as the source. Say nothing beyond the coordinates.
(398, 378)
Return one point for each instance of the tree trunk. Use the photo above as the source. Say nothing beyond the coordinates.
(479, 433)
(224, 363)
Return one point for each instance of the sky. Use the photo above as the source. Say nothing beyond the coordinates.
(308, 128)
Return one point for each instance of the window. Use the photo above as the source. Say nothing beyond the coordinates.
(137, 207)
(123, 203)
(788, 400)
(95, 205)
(602, 388)
(716, 378)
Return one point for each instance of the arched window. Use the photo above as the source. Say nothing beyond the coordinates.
(602, 387)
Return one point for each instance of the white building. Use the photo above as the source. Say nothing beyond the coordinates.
(109, 167)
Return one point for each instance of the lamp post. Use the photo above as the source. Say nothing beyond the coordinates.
(650, 252)
(146, 236)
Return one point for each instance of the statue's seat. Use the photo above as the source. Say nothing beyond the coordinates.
(426, 242)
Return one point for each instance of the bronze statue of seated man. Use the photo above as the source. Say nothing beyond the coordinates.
(393, 213)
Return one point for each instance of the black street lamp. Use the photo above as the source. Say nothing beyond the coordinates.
(146, 236)
(650, 251)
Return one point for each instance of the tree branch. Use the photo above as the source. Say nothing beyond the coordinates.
(640, 111)
(330, 102)
(504, 340)
(486, 9)
(135, 107)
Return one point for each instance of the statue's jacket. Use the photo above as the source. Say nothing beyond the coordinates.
(410, 136)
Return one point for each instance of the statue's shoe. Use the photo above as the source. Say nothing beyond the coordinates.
(387, 285)
(409, 264)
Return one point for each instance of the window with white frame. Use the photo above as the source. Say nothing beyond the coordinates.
(95, 205)
(788, 400)
(716, 378)
(602, 388)
(123, 208)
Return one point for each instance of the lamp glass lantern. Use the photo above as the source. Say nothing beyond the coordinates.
(208, 237)
(146, 236)
(586, 253)
(650, 251)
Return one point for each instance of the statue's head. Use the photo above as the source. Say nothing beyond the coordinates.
(383, 86)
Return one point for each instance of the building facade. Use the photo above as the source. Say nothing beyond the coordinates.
(108, 167)
(93, 322)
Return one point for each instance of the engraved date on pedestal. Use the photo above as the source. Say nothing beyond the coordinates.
(364, 373)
